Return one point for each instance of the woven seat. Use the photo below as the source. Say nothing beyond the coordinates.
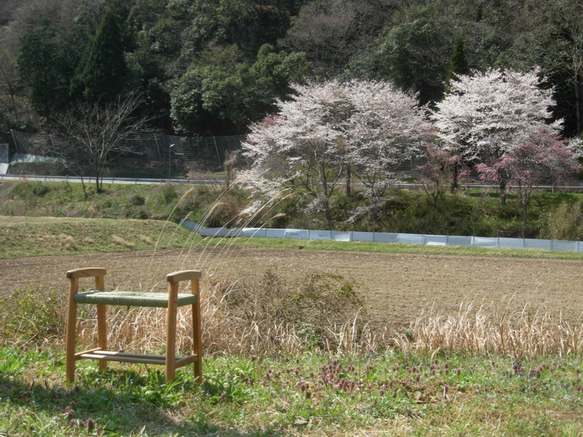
(132, 298)
(101, 298)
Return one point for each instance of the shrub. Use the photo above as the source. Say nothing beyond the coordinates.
(137, 200)
(564, 223)
(314, 308)
(161, 199)
(33, 316)
(135, 212)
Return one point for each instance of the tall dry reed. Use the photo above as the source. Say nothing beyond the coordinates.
(486, 330)
(242, 320)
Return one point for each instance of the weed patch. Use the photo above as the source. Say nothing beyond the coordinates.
(314, 308)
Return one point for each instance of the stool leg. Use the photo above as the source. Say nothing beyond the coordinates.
(101, 323)
(196, 331)
(71, 330)
(171, 330)
(102, 333)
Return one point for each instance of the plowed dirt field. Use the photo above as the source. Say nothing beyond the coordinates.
(397, 289)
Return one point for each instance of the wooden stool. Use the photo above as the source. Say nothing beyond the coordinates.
(99, 297)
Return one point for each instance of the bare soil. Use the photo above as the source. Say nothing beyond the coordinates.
(397, 289)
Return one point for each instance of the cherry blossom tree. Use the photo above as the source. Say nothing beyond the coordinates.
(330, 130)
(486, 115)
(386, 129)
(543, 158)
(304, 145)
(435, 170)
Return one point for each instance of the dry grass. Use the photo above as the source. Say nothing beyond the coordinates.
(525, 335)
(283, 318)
(121, 242)
(226, 328)
(146, 240)
(59, 241)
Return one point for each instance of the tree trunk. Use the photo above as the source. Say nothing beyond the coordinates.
(98, 184)
(324, 182)
(348, 180)
(578, 104)
(455, 170)
(503, 185)
(525, 200)
(85, 194)
(323, 179)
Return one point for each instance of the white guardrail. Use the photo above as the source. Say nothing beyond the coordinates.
(111, 180)
(386, 237)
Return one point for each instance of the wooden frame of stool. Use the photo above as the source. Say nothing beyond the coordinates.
(101, 298)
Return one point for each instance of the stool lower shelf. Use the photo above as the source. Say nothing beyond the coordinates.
(124, 357)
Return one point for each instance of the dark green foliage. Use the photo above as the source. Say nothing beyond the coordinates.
(157, 46)
(459, 63)
(46, 61)
(247, 23)
(412, 56)
(272, 74)
(223, 95)
(188, 110)
(102, 73)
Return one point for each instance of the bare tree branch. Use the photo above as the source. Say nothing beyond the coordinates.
(95, 134)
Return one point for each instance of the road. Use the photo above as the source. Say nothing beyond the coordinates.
(220, 181)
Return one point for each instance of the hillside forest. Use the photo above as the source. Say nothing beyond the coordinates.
(215, 67)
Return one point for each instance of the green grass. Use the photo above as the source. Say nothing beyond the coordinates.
(417, 249)
(39, 236)
(158, 202)
(310, 393)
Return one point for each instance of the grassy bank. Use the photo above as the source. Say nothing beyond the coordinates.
(477, 213)
(40, 236)
(25, 236)
(156, 202)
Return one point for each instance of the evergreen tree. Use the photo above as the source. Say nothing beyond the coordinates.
(413, 56)
(102, 73)
(46, 61)
(459, 64)
(39, 64)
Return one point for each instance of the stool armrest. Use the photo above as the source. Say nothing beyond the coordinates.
(86, 272)
(183, 275)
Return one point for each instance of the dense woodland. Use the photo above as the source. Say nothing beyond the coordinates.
(209, 67)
